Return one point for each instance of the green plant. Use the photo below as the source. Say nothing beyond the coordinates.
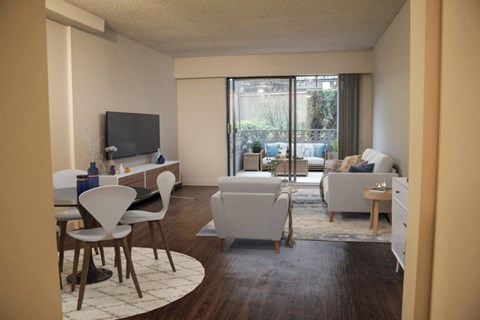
(256, 146)
(334, 145)
(272, 167)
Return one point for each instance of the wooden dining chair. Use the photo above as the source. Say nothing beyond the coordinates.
(165, 183)
(106, 204)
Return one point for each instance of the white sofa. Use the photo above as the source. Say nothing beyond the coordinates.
(314, 153)
(343, 191)
(250, 208)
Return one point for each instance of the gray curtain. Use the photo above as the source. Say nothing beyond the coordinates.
(348, 114)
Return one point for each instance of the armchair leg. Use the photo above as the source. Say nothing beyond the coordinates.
(276, 245)
(222, 244)
(330, 216)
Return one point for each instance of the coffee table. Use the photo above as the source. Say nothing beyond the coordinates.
(376, 196)
(302, 167)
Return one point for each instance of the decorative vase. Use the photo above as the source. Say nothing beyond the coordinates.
(92, 176)
(111, 167)
(161, 159)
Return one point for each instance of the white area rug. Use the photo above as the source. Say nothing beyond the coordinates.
(310, 222)
(113, 300)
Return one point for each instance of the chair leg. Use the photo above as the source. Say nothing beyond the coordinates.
(130, 244)
(166, 246)
(128, 257)
(118, 260)
(154, 241)
(276, 245)
(75, 263)
(102, 253)
(330, 216)
(222, 245)
(86, 259)
(61, 242)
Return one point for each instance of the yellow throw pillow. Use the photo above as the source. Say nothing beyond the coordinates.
(348, 162)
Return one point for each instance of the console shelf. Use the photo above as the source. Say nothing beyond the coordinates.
(143, 176)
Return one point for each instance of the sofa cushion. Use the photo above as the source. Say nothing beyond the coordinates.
(271, 149)
(348, 162)
(383, 163)
(368, 167)
(319, 150)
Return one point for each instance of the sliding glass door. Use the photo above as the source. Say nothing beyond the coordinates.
(274, 125)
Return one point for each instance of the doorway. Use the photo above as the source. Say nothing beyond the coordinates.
(276, 125)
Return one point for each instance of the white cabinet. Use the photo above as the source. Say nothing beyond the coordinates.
(143, 176)
(399, 217)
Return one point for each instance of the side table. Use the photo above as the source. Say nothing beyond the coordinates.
(376, 196)
(251, 161)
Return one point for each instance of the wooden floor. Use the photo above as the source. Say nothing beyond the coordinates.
(314, 280)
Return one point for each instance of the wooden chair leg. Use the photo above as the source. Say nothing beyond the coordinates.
(128, 257)
(276, 245)
(129, 243)
(102, 253)
(222, 244)
(83, 281)
(61, 242)
(330, 216)
(154, 241)
(118, 262)
(75, 263)
(166, 246)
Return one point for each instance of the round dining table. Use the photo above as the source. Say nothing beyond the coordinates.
(68, 197)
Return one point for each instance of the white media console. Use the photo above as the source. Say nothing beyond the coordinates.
(143, 175)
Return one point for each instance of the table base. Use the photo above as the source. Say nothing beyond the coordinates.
(95, 276)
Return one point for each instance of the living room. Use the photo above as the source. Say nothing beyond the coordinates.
(95, 74)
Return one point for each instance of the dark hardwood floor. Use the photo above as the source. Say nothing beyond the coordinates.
(314, 280)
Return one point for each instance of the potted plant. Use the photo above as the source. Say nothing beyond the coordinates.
(256, 146)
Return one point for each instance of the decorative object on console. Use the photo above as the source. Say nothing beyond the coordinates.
(111, 164)
(92, 176)
(160, 157)
(121, 169)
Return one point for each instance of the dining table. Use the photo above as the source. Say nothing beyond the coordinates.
(68, 197)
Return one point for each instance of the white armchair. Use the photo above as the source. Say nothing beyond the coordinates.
(250, 208)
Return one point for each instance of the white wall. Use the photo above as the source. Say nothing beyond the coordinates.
(106, 73)
(391, 90)
(202, 130)
(202, 100)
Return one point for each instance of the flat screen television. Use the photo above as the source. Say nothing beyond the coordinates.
(132, 133)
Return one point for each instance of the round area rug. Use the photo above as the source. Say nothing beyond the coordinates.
(112, 300)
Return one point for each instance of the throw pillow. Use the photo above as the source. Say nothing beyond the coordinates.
(319, 150)
(348, 162)
(308, 150)
(271, 149)
(362, 168)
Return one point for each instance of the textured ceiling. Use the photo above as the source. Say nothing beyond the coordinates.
(223, 27)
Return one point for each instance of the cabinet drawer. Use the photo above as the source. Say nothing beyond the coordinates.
(151, 175)
(399, 231)
(133, 180)
(400, 193)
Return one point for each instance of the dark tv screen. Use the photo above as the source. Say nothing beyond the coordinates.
(132, 133)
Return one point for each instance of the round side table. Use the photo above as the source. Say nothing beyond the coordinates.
(376, 196)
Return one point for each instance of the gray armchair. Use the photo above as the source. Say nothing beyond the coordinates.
(250, 208)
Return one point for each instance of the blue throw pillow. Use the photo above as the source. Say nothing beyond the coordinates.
(271, 149)
(362, 168)
(319, 150)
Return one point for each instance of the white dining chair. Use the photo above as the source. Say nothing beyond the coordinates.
(65, 179)
(106, 204)
(165, 183)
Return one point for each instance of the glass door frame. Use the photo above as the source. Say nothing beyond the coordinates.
(232, 129)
